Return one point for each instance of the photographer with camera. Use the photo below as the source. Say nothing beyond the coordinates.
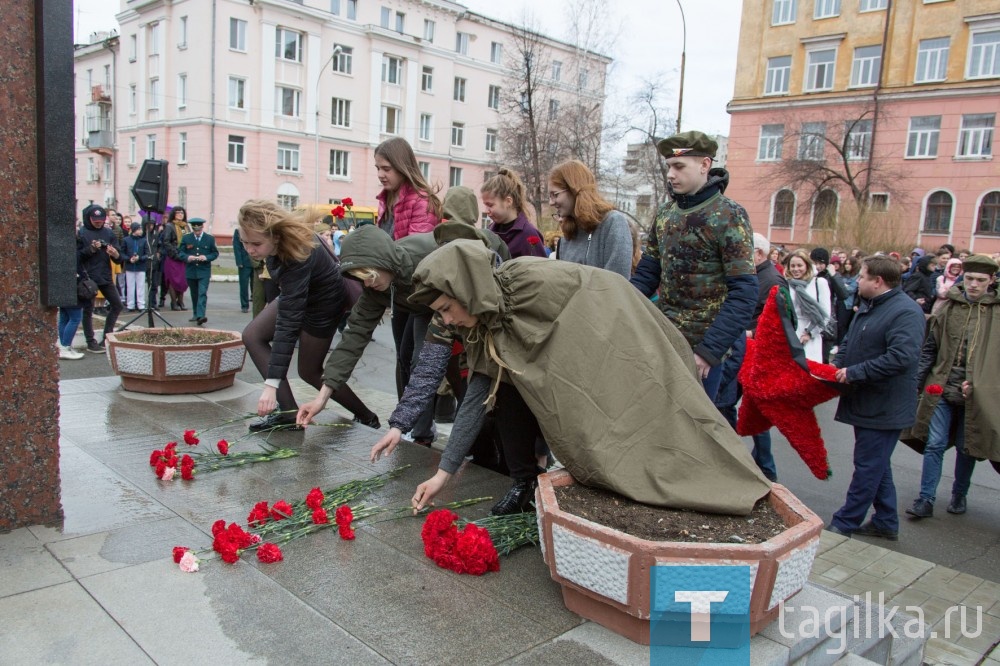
(97, 249)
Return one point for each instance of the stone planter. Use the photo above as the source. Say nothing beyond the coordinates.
(605, 573)
(173, 369)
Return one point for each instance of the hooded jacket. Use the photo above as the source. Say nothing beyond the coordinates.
(610, 380)
(920, 284)
(412, 213)
(370, 247)
(96, 262)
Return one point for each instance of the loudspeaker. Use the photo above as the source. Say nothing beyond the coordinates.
(150, 188)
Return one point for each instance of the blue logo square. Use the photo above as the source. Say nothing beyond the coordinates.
(699, 615)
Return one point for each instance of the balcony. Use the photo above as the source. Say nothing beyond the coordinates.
(100, 142)
(100, 94)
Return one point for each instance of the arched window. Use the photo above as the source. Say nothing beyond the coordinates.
(989, 214)
(937, 216)
(783, 214)
(825, 210)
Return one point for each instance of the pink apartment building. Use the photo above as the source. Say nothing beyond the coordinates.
(287, 99)
(924, 78)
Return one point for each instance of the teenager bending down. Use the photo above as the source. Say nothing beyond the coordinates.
(310, 305)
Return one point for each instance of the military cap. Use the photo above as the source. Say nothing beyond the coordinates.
(980, 263)
(690, 144)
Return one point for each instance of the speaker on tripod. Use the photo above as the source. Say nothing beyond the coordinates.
(150, 192)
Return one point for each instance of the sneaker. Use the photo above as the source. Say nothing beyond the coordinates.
(921, 508)
(869, 530)
(94, 346)
(275, 421)
(957, 505)
(69, 353)
(518, 499)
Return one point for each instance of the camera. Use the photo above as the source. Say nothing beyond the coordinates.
(104, 244)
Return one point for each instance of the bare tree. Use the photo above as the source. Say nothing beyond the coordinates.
(651, 121)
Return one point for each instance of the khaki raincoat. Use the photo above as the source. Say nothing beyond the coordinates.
(611, 381)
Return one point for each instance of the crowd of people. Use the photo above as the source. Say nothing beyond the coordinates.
(471, 308)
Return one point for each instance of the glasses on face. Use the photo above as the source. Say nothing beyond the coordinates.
(553, 195)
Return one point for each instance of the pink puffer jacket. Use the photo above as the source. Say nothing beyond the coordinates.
(412, 213)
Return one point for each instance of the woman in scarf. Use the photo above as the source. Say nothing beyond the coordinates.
(546, 337)
(811, 298)
(952, 274)
(174, 275)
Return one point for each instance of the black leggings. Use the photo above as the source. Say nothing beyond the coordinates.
(257, 337)
(519, 432)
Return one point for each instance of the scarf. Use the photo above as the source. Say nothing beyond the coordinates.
(807, 306)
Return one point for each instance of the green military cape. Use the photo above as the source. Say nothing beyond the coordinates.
(610, 379)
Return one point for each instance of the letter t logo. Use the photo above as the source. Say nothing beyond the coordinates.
(701, 607)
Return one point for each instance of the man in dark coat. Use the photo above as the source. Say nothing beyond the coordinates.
(198, 250)
(876, 360)
(244, 266)
(96, 248)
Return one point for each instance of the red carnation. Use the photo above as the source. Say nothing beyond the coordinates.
(268, 553)
(346, 533)
(239, 536)
(189, 438)
(229, 555)
(344, 516)
(179, 553)
(223, 447)
(347, 201)
(259, 515)
(281, 510)
(154, 457)
(161, 467)
(314, 500)
(218, 527)
(534, 240)
(320, 517)
(187, 473)
(338, 212)
(169, 448)
(934, 389)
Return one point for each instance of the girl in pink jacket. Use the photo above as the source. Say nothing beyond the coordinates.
(406, 204)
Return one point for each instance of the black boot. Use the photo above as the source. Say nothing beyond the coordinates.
(518, 499)
(275, 421)
(958, 505)
(371, 421)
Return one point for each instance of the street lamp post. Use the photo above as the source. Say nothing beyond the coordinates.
(680, 94)
(337, 50)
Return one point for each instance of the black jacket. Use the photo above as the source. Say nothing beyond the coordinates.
(920, 284)
(96, 262)
(880, 353)
(767, 277)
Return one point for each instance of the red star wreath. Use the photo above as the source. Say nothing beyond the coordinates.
(781, 387)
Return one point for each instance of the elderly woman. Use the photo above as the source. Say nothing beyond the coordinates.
(577, 355)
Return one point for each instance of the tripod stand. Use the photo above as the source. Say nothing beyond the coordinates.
(148, 311)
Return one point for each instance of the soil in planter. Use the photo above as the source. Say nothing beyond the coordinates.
(659, 524)
(175, 336)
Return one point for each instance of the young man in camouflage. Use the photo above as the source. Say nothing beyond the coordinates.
(700, 255)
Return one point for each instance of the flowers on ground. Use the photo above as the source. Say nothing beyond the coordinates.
(190, 439)
(345, 517)
(269, 553)
(468, 551)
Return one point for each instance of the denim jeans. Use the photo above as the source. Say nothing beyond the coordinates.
(871, 485)
(937, 442)
(69, 320)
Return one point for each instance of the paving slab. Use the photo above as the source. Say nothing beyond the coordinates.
(594, 642)
(25, 564)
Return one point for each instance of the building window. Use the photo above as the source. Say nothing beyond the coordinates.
(496, 52)
(937, 212)
(390, 120)
(859, 139)
(872, 5)
(107, 165)
(458, 135)
(459, 92)
(154, 39)
(975, 139)
(553, 109)
(491, 141)
(429, 30)
(819, 70)
(778, 72)
(288, 201)
(989, 214)
(133, 48)
(154, 94)
(427, 79)
(287, 101)
(132, 101)
(771, 138)
(867, 63)
(237, 150)
(455, 177)
(878, 202)
(462, 43)
(343, 61)
(392, 70)
(425, 169)
(182, 85)
(825, 210)
(984, 56)
(335, 7)
(91, 171)
(783, 12)
(182, 147)
(288, 45)
(583, 78)
(932, 60)
(237, 34)
(151, 147)
(340, 112)
(237, 93)
(922, 139)
(352, 10)
(556, 70)
(783, 210)
(131, 150)
(340, 162)
(425, 127)
(288, 157)
(183, 41)
(826, 9)
(400, 22)
(493, 99)
(386, 17)
(811, 140)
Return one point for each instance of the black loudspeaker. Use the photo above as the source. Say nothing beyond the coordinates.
(150, 189)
